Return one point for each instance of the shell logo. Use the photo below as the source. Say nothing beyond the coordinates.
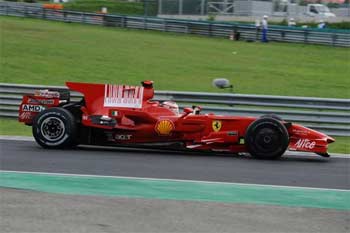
(164, 127)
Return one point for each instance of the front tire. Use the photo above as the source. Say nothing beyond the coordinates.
(272, 115)
(55, 128)
(266, 138)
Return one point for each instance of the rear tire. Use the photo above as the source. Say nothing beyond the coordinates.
(55, 128)
(266, 138)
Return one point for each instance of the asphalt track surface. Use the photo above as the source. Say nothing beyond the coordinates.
(302, 171)
(27, 210)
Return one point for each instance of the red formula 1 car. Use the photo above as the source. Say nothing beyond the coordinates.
(127, 115)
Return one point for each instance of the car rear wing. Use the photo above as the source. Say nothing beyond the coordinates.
(33, 104)
(100, 98)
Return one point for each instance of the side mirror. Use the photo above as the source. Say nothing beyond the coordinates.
(187, 111)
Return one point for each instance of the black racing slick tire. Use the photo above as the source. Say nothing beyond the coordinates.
(274, 116)
(55, 128)
(266, 138)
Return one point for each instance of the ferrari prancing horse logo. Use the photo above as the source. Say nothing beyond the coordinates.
(216, 124)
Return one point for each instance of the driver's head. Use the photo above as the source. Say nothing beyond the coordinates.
(172, 106)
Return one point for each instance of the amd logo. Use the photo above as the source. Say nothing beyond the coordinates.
(32, 108)
(305, 143)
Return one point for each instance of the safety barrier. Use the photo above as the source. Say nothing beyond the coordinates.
(331, 116)
(205, 28)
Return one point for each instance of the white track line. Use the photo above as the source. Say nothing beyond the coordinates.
(174, 180)
(293, 153)
(17, 138)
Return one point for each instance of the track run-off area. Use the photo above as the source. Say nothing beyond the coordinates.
(294, 180)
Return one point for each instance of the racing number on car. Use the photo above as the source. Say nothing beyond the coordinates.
(216, 125)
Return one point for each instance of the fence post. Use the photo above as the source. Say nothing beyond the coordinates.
(283, 34)
(305, 35)
(334, 38)
(210, 29)
(257, 33)
(44, 13)
(234, 31)
(123, 22)
(188, 28)
(164, 25)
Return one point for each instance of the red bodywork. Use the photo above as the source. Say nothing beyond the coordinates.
(128, 115)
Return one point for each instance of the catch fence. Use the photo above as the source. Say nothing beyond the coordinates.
(205, 28)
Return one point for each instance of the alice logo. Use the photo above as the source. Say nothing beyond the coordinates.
(164, 127)
(216, 125)
(305, 143)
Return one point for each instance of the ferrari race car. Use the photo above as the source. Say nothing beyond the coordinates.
(126, 115)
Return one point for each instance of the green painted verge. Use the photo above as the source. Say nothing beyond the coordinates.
(177, 190)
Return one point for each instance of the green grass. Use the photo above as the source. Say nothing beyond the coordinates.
(113, 6)
(13, 127)
(44, 52)
(342, 145)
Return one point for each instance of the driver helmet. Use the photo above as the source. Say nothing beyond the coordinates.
(172, 106)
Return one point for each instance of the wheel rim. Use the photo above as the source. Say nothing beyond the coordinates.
(52, 129)
(268, 139)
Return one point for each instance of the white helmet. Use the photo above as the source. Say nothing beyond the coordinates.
(172, 106)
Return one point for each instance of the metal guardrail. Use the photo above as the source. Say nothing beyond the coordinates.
(331, 116)
(205, 28)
